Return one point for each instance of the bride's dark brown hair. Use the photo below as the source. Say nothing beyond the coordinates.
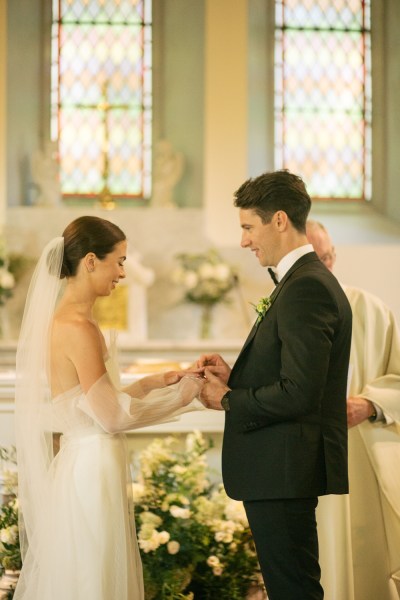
(88, 234)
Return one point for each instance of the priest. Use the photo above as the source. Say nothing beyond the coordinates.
(360, 533)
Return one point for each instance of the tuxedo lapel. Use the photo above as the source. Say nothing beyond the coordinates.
(306, 258)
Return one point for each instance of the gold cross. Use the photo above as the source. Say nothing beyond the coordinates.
(105, 196)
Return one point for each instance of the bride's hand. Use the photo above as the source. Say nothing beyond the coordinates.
(171, 377)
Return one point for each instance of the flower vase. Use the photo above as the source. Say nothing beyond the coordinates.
(8, 583)
(206, 321)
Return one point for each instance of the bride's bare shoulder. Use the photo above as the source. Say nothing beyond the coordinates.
(74, 327)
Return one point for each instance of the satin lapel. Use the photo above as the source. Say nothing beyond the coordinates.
(310, 257)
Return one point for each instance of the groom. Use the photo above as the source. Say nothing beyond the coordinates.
(285, 438)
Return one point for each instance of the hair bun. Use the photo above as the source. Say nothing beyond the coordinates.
(65, 271)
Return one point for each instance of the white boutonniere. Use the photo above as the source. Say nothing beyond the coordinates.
(261, 308)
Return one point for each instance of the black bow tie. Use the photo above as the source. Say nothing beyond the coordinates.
(273, 275)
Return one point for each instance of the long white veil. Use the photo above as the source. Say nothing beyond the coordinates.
(32, 401)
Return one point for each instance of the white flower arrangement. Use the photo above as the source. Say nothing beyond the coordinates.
(206, 278)
(10, 553)
(12, 267)
(7, 280)
(194, 540)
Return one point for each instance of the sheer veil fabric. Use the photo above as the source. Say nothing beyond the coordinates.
(77, 530)
(32, 399)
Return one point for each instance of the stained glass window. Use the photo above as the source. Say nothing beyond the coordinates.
(101, 96)
(323, 95)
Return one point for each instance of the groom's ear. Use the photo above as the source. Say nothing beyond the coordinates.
(280, 220)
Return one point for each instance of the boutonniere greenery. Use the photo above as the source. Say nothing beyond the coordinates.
(261, 308)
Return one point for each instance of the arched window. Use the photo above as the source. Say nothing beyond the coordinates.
(101, 101)
(323, 95)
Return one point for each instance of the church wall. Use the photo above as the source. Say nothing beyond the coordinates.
(3, 113)
(182, 91)
(23, 96)
(366, 245)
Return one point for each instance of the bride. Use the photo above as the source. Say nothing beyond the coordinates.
(77, 526)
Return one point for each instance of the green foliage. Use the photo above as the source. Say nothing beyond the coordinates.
(10, 554)
(195, 541)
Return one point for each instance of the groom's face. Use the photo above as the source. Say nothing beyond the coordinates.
(261, 238)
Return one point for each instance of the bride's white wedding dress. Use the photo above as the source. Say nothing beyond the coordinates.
(85, 547)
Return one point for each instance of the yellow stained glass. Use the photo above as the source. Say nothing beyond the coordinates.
(323, 95)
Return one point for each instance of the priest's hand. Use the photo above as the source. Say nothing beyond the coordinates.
(358, 410)
(214, 389)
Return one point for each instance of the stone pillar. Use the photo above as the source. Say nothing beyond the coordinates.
(3, 113)
(225, 138)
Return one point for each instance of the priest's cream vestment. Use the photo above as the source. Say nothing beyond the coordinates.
(359, 534)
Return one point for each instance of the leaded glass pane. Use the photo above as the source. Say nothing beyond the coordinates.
(323, 95)
(101, 96)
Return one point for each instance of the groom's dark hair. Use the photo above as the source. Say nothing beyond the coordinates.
(278, 190)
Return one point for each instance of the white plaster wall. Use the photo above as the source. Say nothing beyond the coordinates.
(367, 245)
(3, 109)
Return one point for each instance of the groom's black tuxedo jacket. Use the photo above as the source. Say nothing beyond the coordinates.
(286, 432)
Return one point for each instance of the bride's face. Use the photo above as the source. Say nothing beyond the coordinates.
(110, 269)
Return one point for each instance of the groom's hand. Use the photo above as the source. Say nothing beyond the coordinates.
(213, 390)
(216, 364)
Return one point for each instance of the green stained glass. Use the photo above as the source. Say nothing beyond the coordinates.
(323, 95)
(101, 96)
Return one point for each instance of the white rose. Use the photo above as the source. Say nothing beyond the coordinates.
(223, 536)
(190, 280)
(149, 545)
(213, 561)
(163, 537)
(179, 513)
(178, 470)
(137, 490)
(9, 534)
(207, 271)
(149, 518)
(222, 272)
(173, 547)
(7, 280)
